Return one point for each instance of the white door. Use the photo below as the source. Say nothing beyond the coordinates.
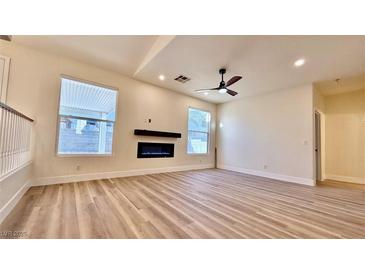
(4, 77)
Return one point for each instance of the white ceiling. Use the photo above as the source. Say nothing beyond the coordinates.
(265, 62)
(341, 85)
(118, 53)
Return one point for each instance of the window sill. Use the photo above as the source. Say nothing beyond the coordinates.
(198, 154)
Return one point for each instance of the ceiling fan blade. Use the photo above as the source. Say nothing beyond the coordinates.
(5, 37)
(233, 80)
(231, 92)
(204, 89)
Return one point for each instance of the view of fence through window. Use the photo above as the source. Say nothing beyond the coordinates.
(86, 118)
(198, 131)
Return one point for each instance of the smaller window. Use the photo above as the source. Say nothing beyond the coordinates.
(198, 131)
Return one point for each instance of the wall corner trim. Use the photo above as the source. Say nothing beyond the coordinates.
(275, 176)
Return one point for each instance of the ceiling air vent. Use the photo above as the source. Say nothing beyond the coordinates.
(182, 79)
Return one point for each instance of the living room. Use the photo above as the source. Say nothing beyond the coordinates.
(145, 136)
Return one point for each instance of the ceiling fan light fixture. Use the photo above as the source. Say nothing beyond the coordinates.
(222, 90)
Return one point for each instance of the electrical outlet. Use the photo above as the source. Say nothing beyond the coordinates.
(265, 166)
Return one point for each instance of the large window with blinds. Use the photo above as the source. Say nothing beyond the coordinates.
(86, 118)
(198, 131)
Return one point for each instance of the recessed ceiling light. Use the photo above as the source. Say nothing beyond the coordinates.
(206, 93)
(299, 62)
(222, 90)
(161, 77)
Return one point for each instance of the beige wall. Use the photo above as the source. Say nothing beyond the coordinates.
(34, 89)
(319, 101)
(269, 135)
(345, 137)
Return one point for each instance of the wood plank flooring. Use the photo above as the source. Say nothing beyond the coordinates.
(208, 203)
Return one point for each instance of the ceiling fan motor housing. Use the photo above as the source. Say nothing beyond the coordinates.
(222, 83)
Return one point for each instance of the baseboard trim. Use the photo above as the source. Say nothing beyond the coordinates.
(347, 179)
(113, 174)
(9, 206)
(280, 177)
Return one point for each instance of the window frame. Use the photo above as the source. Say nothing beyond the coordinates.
(209, 131)
(64, 76)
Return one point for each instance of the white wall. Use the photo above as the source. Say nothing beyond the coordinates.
(274, 129)
(34, 89)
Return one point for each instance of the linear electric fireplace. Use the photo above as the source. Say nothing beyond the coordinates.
(155, 150)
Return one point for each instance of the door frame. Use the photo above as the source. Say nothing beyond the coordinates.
(4, 71)
(318, 145)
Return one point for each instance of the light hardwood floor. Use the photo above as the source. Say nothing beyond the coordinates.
(192, 204)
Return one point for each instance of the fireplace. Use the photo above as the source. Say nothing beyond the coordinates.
(155, 150)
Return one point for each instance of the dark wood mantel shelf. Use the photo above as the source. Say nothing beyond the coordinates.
(145, 132)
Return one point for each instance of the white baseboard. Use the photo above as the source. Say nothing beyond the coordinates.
(348, 179)
(9, 206)
(113, 174)
(280, 177)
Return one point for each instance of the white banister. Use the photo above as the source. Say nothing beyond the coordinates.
(15, 140)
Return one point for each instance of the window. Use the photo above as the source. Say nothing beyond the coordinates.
(198, 131)
(86, 118)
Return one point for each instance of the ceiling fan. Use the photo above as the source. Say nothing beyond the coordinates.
(222, 88)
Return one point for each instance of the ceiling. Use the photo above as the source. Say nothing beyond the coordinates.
(265, 62)
(341, 85)
(118, 53)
